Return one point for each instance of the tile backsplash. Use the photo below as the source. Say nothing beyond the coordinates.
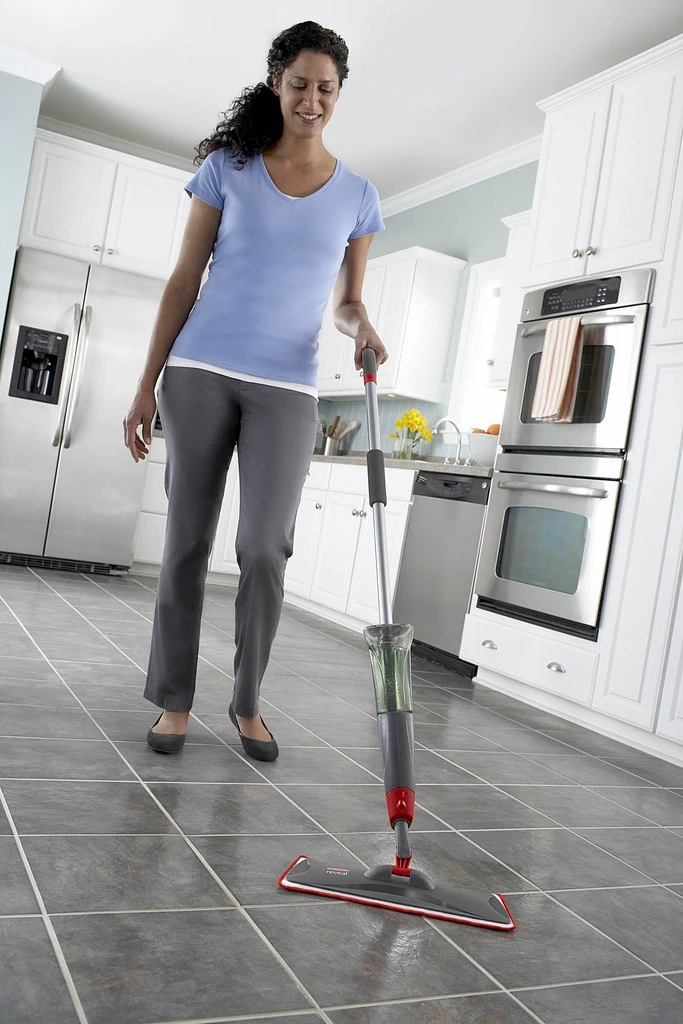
(390, 409)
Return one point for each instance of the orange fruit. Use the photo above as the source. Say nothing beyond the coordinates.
(477, 430)
(493, 429)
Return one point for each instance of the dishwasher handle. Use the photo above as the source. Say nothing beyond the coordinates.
(452, 487)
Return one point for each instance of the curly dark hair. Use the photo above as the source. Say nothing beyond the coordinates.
(254, 120)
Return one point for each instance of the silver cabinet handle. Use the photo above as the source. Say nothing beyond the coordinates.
(590, 320)
(577, 253)
(490, 645)
(61, 409)
(590, 251)
(97, 248)
(579, 492)
(81, 356)
(110, 252)
(555, 666)
(318, 505)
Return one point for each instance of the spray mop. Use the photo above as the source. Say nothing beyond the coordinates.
(396, 886)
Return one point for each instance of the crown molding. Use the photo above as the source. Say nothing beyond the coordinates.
(73, 131)
(25, 65)
(497, 163)
(604, 78)
(516, 219)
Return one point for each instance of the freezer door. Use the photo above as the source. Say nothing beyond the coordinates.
(47, 296)
(98, 492)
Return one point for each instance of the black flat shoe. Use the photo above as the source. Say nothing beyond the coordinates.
(260, 750)
(165, 743)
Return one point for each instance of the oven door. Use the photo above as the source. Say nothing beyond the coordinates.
(612, 343)
(545, 549)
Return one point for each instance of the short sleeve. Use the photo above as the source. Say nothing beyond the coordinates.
(369, 217)
(207, 183)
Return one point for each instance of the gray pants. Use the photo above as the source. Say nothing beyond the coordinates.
(206, 416)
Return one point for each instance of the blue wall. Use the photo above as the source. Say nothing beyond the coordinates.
(466, 224)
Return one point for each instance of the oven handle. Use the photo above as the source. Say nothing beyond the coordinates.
(593, 320)
(579, 492)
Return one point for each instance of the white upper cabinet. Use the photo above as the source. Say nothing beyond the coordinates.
(606, 175)
(104, 207)
(511, 296)
(410, 297)
(666, 317)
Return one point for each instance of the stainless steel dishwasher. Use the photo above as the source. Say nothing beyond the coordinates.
(439, 558)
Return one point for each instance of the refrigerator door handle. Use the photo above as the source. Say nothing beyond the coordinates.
(64, 400)
(83, 348)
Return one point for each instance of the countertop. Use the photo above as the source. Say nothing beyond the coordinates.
(433, 465)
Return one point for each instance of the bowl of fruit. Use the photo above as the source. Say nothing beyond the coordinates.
(484, 443)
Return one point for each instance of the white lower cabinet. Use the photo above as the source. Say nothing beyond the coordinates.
(149, 539)
(550, 664)
(309, 521)
(223, 557)
(363, 602)
(336, 551)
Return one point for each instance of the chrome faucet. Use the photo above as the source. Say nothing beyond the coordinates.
(435, 430)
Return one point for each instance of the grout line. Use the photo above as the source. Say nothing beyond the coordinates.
(49, 927)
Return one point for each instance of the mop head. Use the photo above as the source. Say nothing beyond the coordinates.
(413, 893)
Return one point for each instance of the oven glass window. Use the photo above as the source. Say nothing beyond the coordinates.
(597, 362)
(542, 547)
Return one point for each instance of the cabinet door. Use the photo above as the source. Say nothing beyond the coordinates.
(336, 550)
(223, 557)
(670, 721)
(363, 594)
(299, 575)
(666, 314)
(639, 167)
(149, 539)
(393, 315)
(566, 187)
(148, 214)
(333, 346)
(373, 285)
(67, 202)
(511, 296)
(645, 562)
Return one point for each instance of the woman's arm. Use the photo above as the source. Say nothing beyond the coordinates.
(177, 300)
(350, 315)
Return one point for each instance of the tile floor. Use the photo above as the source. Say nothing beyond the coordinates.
(136, 888)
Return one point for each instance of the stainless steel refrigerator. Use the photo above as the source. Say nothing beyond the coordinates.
(73, 347)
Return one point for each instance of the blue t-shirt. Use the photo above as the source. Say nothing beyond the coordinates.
(273, 267)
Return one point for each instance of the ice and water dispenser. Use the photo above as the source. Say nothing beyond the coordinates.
(38, 365)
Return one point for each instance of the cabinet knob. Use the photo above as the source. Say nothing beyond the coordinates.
(489, 362)
(490, 645)
(577, 253)
(362, 514)
(337, 376)
(555, 666)
(355, 512)
(590, 251)
(110, 252)
(97, 248)
(318, 505)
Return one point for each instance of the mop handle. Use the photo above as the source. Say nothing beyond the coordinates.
(377, 487)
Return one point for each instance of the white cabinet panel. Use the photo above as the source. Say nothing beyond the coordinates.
(154, 495)
(223, 557)
(670, 721)
(337, 550)
(566, 187)
(149, 540)
(67, 202)
(363, 600)
(639, 167)
(666, 324)
(512, 294)
(309, 520)
(334, 347)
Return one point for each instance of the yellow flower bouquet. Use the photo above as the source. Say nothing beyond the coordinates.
(411, 428)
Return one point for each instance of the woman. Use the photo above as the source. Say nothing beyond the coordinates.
(284, 220)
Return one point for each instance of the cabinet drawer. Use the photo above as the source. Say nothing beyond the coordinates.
(354, 480)
(550, 664)
(154, 496)
(318, 475)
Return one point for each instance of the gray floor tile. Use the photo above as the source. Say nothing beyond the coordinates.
(656, 804)
(312, 937)
(520, 740)
(632, 1001)
(676, 978)
(324, 765)
(94, 652)
(587, 771)
(488, 1009)
(232, 810)
(447, 737)
(429, 767)
(37, 693)
(26, 668)
(78, 874)
(446, 857)
(648, 922)
(68, 808)
(654, 769)
(16, 894)
(287, 732)
(557, 859)
(251, 865)
(14, 643)
(56, 723)
(500, 768)
(467, 807)
(654, 851)
(316, 705)
(136, 968)
(5, 829)
(132, 726)
(574, 805)
(109, 675)
(121, 697)
(549, 946)
(60, 759)
(361, 731)
(352, 808)
(32, 987)
(196, 762)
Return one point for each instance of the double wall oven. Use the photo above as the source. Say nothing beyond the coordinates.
(555, 487)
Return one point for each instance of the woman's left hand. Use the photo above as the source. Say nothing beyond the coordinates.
(367, 337)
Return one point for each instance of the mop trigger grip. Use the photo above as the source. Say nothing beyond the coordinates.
(401, 805)
(369, 362)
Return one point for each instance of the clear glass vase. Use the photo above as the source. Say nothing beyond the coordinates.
(406, 448)
(389, 648)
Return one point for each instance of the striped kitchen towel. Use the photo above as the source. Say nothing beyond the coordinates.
(558, 374)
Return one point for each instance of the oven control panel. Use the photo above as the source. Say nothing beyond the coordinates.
(580, 295)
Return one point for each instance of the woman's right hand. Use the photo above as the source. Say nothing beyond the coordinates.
(141, 413)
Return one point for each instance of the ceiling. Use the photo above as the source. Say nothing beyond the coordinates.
(434, 84)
